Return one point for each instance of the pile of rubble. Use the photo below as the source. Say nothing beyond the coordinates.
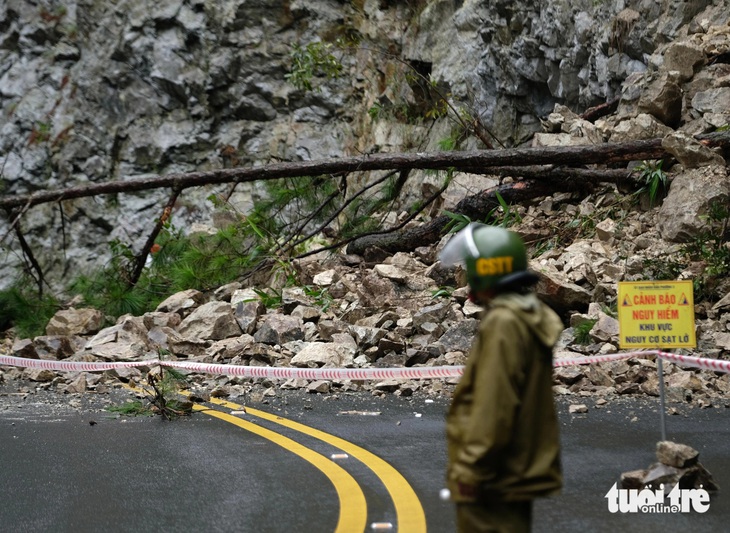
(677, 465)
(405, 311)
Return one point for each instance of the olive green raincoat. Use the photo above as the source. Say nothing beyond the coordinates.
(502, 427)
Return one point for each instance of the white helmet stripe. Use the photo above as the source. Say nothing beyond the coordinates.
(473, 250)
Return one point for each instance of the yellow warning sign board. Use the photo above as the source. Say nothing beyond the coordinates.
(656, 314)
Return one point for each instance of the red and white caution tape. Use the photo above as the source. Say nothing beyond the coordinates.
(363, 374)
(70, 366)
(321, 373)
(705, 363)
(246, 371)
(590, 359)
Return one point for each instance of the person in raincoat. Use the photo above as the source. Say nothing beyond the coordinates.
(502, 426)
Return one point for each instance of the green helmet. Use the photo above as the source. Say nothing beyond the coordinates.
(494, 257)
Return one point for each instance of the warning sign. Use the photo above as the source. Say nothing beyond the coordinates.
(656, 314)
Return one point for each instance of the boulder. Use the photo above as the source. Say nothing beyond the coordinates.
(675, 454)
(39, 374)
(367, 337)
(690, 153)
(248, 308)
(323, 354)
(643, 126)
(279, 329)
(125, 341)
(684, 58)
(662, 99)
(690, 197)
(605, 329)
(561, 295)
(182, 302)
(75, 322)
(58, 346)
(211, 321)
(25, 348)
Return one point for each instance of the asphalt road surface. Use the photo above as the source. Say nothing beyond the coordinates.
(316, 463)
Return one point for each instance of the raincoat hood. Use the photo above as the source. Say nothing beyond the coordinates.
(542, 321)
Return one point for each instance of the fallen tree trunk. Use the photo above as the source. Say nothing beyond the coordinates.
(594, 113)
(476, 207)
(622, 177)
(568, 156)
(564, 156)
(537, 164)
(557, 179)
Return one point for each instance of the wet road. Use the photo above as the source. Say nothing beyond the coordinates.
(620, 437)
(60, 473)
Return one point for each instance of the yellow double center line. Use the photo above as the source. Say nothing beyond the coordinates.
(349, 492)
(409, 512)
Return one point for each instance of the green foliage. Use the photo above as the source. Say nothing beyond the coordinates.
(457, 221)
(439, 108)
(21, 308)
(290, 196)
(503, 216)
(39, 133)
(610, 308)
(164, 399)
(663, 268)
(292, 208)
(442, 292)
(71, 32)
(544, 245)
(108, 289)
(711, 248)
(271, 298)
(359, 220)
(200, 262)
(459, 131)
(582, 332)
(431, 107)
(448, 144)
(315, 59)
(585, 224)
(377, 112)
(321, 296)
(509, 216)
(162, 396)
(131, 408)
(654, 179)
(363, 213)
(167, 382)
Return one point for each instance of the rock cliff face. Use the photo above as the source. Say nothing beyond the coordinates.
(93, 91)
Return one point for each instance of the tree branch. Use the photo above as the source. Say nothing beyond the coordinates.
(375, 234)
(28, 253)
(141, 259)
(475, 207)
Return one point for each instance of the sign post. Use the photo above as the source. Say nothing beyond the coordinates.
(656, 314)
(662, 409)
